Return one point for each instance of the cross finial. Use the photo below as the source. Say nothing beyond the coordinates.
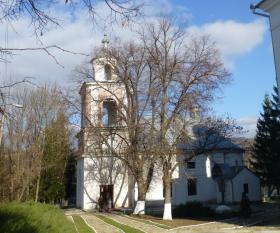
(105, 41)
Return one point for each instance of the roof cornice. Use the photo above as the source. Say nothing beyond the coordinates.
(266, 5)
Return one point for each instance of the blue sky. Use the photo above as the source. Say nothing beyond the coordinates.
(253, 73)
(206, 11)
(243, 38)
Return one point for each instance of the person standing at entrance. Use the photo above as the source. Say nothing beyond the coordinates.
(245, 208)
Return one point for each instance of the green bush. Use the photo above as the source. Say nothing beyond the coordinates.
(33, 218)
(192, 209)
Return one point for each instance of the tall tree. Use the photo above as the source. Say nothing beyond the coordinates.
(188, 70)
(24, 140)
(55, 156)
(266, 149)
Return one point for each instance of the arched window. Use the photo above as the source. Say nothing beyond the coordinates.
(108, 72)
(109, 113)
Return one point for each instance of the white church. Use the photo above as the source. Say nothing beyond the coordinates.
(217, 177)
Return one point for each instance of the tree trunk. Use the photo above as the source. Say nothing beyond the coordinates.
(11, 190)
(2, 118)
(140, 204)
(21, 193)
(167, 213)
(37, 187)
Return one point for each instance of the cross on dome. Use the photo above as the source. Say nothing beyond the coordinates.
(105, 41)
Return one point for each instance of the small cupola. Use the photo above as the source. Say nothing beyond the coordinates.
(103, 64)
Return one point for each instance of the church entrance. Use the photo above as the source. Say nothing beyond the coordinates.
(106, 197)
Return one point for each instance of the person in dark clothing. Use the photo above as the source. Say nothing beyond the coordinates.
(100, 204)
(245, 207)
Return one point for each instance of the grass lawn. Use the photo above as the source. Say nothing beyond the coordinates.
(148, 221)
(81, 225)
(125, 228)
(33, 218)
(167, 224)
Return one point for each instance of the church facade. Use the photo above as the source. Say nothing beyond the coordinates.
(103, 179)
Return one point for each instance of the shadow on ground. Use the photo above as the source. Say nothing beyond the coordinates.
(263, 214)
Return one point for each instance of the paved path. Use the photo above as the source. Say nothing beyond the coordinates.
(233, 225)
(227, 226)
(73, 211)
(148, 228)
(99, 225)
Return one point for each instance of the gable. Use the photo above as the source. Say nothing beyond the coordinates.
(245, 171)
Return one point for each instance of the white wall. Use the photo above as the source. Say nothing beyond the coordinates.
(91, 187)
(80, 183)
(275, 28)
(273, 8)
(88, 185)
(207, 188)
(121, 194)
(155, 191)
(99, 71)
(245, 176)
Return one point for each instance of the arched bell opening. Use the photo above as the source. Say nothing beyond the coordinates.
(109, 113)
(108, 72)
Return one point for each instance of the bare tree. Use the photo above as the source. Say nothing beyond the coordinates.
(187, 70)
(40, 17)
(23, 141)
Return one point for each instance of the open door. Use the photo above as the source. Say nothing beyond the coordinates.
(106, 197)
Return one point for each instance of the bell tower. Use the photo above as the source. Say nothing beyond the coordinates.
(100, 174)
(104, 97)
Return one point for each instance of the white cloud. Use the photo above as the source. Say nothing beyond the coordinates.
(75, 36)
(80, 35)
(249, 124)
(233, 38)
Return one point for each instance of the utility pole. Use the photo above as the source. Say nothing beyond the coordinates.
(1, 125)
(2, 112)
